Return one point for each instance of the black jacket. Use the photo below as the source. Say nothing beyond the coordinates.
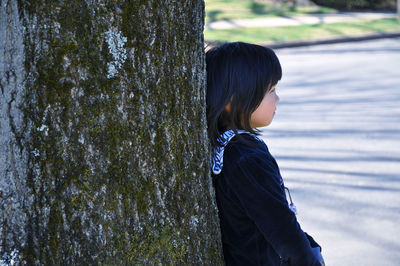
(257, 226)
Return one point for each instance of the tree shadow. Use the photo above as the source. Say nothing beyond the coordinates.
(262, 9)
(258, 8)
(212, 15)
(382, 177)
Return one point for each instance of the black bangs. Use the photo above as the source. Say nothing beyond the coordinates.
(240, 74)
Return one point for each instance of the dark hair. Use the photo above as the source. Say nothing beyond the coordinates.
(240, 73)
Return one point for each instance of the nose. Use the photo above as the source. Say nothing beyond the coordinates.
(277, 99)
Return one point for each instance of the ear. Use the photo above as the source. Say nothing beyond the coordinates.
(227, 107)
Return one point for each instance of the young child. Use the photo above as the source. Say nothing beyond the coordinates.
(257, 224)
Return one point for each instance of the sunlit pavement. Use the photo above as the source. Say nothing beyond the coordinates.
(336, 137)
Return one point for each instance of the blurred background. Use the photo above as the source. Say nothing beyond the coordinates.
(336, 133)
(266, 21)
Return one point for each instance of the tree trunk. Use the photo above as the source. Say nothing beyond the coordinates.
(104, 157)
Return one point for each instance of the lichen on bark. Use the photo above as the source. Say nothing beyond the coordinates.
(104, 122)
(14, 193)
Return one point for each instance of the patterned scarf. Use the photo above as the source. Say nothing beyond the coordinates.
(218, 153)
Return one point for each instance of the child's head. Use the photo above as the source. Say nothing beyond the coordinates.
(240, 76)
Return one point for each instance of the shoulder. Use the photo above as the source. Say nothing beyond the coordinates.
(236, 148)
(251, 162)
(245, 147)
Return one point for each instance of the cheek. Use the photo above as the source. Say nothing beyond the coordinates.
(264, 111)
(268, 106)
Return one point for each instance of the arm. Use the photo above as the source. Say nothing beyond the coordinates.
(313, 243)
(255, 181)
(316, 248)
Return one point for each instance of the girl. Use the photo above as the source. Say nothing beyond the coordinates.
(258, 226)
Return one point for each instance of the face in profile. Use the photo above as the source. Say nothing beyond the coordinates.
(265, 112)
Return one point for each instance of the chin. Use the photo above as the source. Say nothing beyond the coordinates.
(267, 124)
(264, 125)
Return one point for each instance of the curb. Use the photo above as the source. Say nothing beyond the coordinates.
(293, 44)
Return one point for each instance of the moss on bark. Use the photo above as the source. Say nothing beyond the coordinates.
(117, 154)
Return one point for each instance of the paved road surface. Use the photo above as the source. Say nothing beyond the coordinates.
(336, 137)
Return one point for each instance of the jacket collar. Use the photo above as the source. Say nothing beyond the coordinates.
(218, 152)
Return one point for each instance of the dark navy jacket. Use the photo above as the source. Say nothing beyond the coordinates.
(257, 226)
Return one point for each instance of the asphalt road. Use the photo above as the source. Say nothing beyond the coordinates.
(336, 137)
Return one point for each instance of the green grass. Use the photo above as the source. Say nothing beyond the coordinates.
(236, 9)
(305, 32)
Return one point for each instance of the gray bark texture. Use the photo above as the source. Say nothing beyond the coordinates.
(104, 157)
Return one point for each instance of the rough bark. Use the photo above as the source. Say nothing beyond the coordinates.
(103, 149)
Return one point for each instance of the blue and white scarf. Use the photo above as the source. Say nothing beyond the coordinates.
(218, 152)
